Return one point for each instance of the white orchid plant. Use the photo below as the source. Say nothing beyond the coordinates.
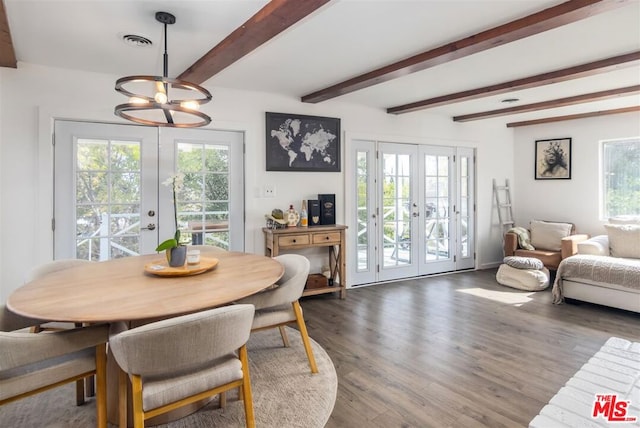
(176, 182)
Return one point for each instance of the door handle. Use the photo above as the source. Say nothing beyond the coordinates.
(150, 226)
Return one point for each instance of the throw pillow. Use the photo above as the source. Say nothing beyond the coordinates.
(624, 240)
(596, 246)
(625, 219)
(523, 262)
(546, 235)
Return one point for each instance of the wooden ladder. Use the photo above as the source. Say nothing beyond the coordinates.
(503, 202)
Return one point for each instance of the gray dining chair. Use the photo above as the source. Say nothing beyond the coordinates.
(45, 269)
(279, 305)
(179, 361)
(31, 363)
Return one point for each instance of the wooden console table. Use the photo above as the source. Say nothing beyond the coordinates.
(292, 238)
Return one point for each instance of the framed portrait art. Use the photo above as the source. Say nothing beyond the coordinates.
(553, 159)
(302, 143)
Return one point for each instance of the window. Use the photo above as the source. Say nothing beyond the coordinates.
(620, 177)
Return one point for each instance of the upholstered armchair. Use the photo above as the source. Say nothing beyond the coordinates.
(31, 363)
(548, 242)
(181, 360)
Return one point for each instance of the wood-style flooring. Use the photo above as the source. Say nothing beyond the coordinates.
(454, 351)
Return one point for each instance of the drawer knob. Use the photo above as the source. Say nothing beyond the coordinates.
(294, 241)
(327, 238)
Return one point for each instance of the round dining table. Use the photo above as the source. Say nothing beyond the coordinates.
(127, 289)
(123, 290)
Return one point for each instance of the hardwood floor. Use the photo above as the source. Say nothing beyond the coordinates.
(454, 351)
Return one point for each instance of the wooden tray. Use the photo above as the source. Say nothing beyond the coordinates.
(161, 268)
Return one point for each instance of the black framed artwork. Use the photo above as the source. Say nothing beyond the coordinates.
(553, 159)
(296, 142)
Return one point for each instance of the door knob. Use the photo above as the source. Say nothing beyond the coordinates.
(150, 226)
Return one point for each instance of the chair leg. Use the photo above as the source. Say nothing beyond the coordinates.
(283, 334)
(246, 389)
(80, 392)
(305, 336)
(136, 392)
(101, 385)
(89, 385)
(122, 398)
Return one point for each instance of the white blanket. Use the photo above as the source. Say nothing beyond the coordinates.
(608, 270)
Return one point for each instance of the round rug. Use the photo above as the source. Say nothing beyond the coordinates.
(285, 393)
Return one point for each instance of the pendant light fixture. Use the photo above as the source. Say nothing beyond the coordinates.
(152, 103)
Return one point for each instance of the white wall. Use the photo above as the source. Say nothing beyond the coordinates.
(32, 96)
(575, 200)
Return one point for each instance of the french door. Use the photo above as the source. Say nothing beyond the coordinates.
(108, 202)
(412, 210)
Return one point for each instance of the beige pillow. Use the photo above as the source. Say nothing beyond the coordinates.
(596, 246)
(625, 219)
(546, 235)
(624, 240)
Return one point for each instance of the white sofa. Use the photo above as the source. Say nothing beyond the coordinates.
(605, 270)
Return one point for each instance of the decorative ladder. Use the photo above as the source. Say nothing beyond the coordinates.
(505, 212)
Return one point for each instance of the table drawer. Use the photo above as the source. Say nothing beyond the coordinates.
(328, 237)
(293, 240)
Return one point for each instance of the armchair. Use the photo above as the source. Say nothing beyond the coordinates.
(552, 243)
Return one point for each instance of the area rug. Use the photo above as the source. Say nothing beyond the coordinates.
(604, 392)
(285, 394)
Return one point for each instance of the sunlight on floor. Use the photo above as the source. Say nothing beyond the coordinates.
(509, 297)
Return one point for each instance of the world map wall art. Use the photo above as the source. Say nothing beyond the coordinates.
(302, 143)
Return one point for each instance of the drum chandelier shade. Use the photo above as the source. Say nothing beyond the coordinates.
(151, 102)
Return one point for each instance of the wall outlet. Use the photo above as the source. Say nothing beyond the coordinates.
(269, 191)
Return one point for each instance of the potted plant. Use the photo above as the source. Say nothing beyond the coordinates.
(175, 251)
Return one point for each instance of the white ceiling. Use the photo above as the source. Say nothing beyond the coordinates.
(341, 40)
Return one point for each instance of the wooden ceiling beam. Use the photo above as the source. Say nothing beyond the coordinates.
(576, 72)
(275, 17)
(7, 53)
(573, 116)
(553, 17)
(544, 105)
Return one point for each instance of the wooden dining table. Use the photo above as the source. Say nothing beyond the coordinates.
(124, 290)
(121, 289)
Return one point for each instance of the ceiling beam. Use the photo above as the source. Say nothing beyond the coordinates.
(578, 71)
(544, 105)
(553, 17)
(573, 116)
(7, 54)
(275, 17)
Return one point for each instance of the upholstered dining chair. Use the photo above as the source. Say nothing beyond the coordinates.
(181, 360)
(40, 271)
(279, 305)
(31, 363)
(47, 268)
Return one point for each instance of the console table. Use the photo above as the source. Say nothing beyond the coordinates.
(292, 238)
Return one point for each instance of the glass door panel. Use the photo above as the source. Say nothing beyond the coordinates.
(398, 210)
(437, 232)
(465, 213)
(212, 163)
(361, 190)
(102, 203)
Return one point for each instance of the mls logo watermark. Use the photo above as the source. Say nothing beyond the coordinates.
(611, 409)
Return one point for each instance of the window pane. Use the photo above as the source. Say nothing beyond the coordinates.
(621, 177)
